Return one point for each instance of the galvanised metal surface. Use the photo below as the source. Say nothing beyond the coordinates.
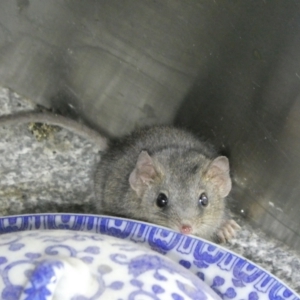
(228, 70)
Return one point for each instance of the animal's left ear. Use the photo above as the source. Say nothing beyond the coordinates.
(218, 174)
(143, 174)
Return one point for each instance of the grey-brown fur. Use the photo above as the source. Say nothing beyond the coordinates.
(184, 160)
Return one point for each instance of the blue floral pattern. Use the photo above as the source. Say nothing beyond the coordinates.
(40, 280)
(229, 275)
(79, 266)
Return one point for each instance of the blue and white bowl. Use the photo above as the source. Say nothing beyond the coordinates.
(113, 258)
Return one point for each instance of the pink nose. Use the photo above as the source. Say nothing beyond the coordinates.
(186, 229)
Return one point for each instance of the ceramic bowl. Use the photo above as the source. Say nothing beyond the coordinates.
(121, 259)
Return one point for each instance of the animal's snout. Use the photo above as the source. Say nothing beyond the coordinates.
(186, 229)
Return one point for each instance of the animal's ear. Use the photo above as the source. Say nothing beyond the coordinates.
(218, 174)
(143, 173)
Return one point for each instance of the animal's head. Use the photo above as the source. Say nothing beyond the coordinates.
(182, 190)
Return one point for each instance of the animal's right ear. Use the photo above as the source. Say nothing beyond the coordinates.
(218, 174)
(143, 173)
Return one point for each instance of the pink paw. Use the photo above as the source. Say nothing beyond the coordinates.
(227, 230)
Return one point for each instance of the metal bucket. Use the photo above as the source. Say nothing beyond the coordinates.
(228, 70)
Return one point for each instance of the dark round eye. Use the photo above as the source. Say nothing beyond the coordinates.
(203, 200)
(162, 200)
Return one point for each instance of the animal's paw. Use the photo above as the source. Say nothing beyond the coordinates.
(227, 231)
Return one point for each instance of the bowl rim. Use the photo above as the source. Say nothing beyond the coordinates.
(148, 224)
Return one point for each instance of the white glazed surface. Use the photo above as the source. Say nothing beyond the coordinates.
(64, 264)
(230, 276)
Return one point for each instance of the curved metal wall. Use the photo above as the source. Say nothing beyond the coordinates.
(228, 70)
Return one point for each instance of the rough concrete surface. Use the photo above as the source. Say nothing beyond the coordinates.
(56, 175)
